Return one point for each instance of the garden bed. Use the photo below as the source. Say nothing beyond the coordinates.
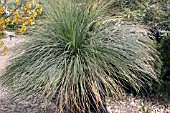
(129, 104)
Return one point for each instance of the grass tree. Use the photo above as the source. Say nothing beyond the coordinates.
(76, 61)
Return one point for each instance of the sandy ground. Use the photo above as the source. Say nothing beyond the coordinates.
(10, 41)
(129, 104)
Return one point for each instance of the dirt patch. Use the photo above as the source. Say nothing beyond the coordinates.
(11, 42)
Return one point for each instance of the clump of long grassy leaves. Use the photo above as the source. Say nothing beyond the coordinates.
(75, 61)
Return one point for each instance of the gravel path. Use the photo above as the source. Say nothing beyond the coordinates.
(129, 104)
(4, 59)
(132, 104)
(11, 41)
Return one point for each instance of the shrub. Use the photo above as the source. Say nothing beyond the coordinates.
(164, 48)
(24, 14)
(165, 52)
(149, 11)
(76, 61)
(3, 47)
(18, 19)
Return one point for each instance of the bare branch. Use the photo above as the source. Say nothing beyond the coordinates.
(5, 3)
(18, 6)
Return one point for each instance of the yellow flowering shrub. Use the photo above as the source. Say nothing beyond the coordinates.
(3, 47)
(25, 16)
(20, 18)
(22, 29)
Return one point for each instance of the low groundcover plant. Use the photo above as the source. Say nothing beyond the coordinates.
(75, 61)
